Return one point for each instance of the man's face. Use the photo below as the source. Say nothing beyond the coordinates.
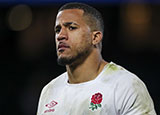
(73, 36)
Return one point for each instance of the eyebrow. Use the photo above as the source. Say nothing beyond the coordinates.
(69, 23)
(66, 24)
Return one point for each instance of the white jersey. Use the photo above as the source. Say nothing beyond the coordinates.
(115, 91)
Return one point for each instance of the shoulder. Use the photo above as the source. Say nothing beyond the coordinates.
(118, 75)
(122, 80)
(55, 83)
(131, 94)
(128, 80)
(49, 89)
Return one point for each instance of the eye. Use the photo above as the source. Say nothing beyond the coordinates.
(72, 28)
(57, 30)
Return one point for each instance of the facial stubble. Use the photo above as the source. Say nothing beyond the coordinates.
(81, 53)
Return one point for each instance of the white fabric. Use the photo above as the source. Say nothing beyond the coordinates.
(123, 93)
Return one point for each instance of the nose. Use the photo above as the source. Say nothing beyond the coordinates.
(62, 35)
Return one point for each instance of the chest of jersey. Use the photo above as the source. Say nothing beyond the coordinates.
(90, 99)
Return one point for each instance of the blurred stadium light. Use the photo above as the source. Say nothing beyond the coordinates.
(19, 17)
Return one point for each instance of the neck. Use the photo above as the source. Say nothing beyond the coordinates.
(87, 70)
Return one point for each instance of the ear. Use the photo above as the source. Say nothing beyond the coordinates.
(96, 37)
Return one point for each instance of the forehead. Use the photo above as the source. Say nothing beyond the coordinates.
(70, 15)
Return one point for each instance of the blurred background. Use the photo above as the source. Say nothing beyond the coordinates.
(28, 58)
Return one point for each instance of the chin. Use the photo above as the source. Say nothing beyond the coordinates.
(63, 60)
(74, 59)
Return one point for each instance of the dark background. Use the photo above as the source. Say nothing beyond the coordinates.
(28, 55)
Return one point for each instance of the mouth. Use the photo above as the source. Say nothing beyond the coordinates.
(62, 47)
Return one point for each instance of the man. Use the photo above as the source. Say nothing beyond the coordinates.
(91, 86)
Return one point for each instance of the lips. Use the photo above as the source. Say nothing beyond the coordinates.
(62, 46)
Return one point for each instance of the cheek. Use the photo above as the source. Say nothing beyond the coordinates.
(56, 44)
(56, 40)
(82, 44)
(75, 39)
(80, 38)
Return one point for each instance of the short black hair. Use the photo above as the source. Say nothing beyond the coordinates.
(94, 20)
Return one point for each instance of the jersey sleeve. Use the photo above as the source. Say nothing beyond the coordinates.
(132, 98)
(43, 96)
(39, 109)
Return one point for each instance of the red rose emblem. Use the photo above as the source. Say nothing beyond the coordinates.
(96, 98)
(96, 101)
